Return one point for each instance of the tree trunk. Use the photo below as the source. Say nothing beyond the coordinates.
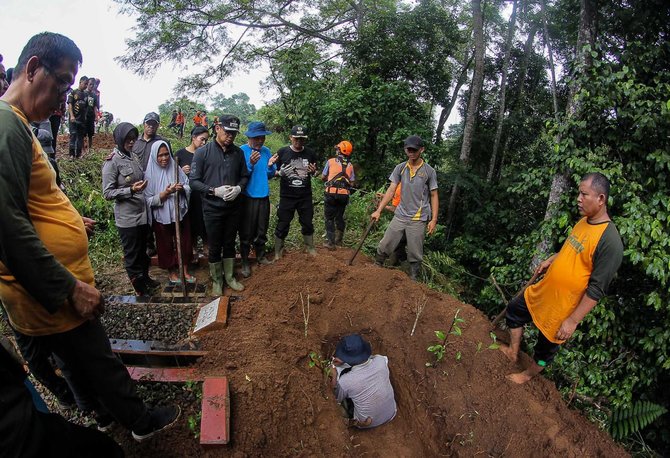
(551, 58)
(503, 88)
(475, 90)
(446, 111)
(517, 105)
(561, 180)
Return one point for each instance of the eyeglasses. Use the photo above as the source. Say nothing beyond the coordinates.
(63, 84)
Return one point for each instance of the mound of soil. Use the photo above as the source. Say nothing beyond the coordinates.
(461, 407)
(101, 140)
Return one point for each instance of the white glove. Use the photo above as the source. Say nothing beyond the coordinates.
(221, 191)
(286, 170)
(232, 193)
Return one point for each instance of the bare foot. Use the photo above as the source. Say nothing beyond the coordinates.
(507, 350)
(520, 378)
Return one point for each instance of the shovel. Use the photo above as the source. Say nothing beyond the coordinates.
(177, 225)
(360, 245)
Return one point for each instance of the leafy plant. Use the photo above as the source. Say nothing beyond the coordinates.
(193, 422)
(439, 349)
(495, 345)
(625, 421)
(316, 360)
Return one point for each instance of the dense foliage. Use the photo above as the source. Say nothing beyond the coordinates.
(375, 72)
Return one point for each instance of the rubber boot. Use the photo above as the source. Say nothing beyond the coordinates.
(260, 257)
(229, 275)
(279, 248)
(216, 274)
(339, 236)
(330, 241)
(414, 268)
(309, 244)
(380, 259)
(246, 269)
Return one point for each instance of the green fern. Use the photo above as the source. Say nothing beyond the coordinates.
(628, 420)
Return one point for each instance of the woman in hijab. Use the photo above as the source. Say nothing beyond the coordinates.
(199, 137)
(123, 182)
(161, 194)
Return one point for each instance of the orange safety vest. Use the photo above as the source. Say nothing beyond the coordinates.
(338, 182)
(180, 118)
(197, 120)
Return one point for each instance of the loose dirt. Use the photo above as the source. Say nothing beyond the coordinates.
(282, 407)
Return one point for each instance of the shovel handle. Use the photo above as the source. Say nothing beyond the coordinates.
(360, 245)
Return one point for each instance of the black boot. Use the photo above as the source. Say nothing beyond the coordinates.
(380, 259)
(414, 269)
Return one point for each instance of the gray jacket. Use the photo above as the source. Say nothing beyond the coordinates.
(118, 175)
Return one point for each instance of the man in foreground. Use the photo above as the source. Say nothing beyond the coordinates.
(296, 165)
(575, 279)
(219, 172)
(339, 177)
(256, 212)
(416, 214)
(362, 383)
(42, 234)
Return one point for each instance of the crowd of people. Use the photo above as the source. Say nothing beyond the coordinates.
(215, 191)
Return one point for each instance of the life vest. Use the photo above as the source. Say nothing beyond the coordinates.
(338, 177)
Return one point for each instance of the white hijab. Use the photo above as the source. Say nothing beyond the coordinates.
(159, 178)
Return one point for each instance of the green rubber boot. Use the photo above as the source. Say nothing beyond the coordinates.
(216, 274)
(229, 275)
(309, 244)
(279, 248)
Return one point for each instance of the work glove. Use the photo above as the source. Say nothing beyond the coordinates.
(286, 170)
(232, 193)
(221, 191)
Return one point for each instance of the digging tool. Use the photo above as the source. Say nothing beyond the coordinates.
(501, 315)
(360, 245)
(177, 226)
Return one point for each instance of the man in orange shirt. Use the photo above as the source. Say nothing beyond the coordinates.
(41, 233)
(575, 279)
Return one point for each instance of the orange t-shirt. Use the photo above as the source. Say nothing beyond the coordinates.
(551, 300)
(396, 196)
(197, 120)
(60, 228)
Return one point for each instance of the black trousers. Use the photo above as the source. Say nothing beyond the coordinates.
(88, 359)
(334, 206)
(55, 125)
(254, 225)
(287, 208)
(221, 225)
(26, 432)
(134, 243)
(517, 315)
(77, 134)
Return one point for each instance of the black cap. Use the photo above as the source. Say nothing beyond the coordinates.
(152, 117)
(299, 132)
(414, 141)
(230, 123)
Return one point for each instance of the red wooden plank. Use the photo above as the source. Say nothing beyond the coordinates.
(215, 421)
(164, 374)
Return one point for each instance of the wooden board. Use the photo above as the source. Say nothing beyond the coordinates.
(215, 421)
(162, 374)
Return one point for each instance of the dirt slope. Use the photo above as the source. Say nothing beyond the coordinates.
(465, 407)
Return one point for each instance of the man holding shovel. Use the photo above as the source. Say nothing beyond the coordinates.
(416, 214)
(575, 279)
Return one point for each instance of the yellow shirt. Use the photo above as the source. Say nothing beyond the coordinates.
(60, 228)
(555, 297)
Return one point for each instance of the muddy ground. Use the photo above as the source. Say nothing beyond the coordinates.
(282, 407)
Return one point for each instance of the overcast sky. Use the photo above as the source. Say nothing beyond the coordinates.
(100, 32)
